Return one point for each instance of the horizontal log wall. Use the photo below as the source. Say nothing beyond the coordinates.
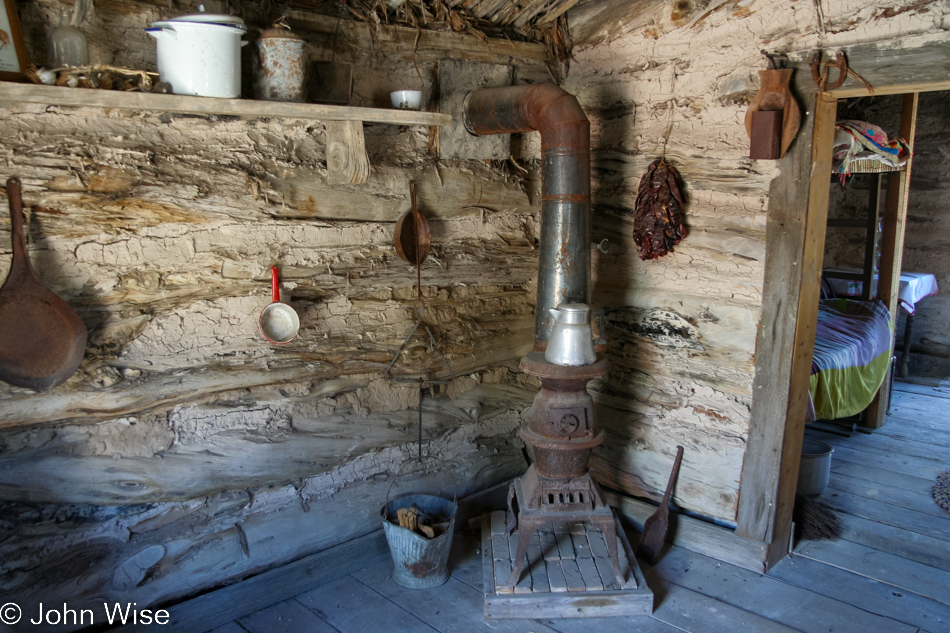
(187, 452)
(676, 78)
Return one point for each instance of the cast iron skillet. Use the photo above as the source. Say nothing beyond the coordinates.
(42, 340)
(413, 239)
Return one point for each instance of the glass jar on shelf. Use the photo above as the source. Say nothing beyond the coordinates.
(67, 44)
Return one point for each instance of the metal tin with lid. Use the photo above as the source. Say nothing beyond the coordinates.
(280, 69)
(200, 54)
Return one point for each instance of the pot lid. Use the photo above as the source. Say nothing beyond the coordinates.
(216, 19)
(279, 32)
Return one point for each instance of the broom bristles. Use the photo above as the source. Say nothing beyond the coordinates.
(814, 520)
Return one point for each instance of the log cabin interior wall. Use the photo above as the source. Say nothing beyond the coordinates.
(684, 327)
(186, 452)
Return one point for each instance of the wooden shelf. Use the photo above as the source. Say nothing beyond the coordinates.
(184, 104)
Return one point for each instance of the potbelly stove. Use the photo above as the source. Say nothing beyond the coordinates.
(562, 430)
(562, 427)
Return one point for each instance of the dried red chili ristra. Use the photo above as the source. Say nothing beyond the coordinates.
(658, 217)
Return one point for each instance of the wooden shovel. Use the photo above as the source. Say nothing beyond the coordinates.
(654, 528)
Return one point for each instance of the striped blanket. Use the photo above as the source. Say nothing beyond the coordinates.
(852, 356)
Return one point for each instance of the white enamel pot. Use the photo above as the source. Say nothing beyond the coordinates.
(200, 54)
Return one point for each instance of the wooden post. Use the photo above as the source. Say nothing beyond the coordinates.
(892, 245)
(870, 239)
(798, 212)
(347, 161)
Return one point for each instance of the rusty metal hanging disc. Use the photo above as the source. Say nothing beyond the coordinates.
(413, 239)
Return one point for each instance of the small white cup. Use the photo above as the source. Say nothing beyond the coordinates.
(406, 99)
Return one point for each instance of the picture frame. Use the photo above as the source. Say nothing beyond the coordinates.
(13, 57)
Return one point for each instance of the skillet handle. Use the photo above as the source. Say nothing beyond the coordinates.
(274, 285)
(20, 266)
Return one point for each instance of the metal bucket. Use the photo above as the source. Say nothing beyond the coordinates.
(419, 562)
(815, 469)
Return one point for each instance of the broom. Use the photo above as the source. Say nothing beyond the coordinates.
(814, 521)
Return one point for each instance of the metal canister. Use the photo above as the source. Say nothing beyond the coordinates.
(280, 68)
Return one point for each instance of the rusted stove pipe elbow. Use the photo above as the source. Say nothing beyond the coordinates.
(564, 258)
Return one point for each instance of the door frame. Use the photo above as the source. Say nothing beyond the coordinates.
(795, 238)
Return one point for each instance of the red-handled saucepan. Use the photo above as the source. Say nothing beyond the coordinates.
(279, 322)
(42, 340)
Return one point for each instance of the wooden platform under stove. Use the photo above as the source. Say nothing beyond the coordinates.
(568, 574)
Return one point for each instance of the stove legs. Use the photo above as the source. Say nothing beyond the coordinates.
(526, 529)
(608, 529)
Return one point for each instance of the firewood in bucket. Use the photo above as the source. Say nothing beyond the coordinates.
(408, 518)
(427, 525)
(658, 218)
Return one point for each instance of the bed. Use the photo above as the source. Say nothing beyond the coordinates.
(851, 359)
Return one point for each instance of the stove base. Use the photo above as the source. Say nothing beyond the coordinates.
(542, 500)
(569, 573)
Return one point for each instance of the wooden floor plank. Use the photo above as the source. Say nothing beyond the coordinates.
(498, 523)
(288, 616)
(913, 424)
(565, 546)
(927, 581)
(904, 436)
(886, 538)
(878, 510)
(591, 576)
(524, 581)
(769, 597)
(628, 624)
(921, 390)
(549, 546)
(692, 611)
(581, 545)
(503, 571)
(230, 627)
(454, 607)
(556, 575)
(276, 585)
(864, 593)
(538, 572)
(916, 485)
(918, 415)
(919, 500)
(340, 604)
(913, 466)
(465, 560)
(912, 447)
(572, 575)
(903, 427)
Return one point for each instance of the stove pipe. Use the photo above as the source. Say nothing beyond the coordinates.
(564, 259)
